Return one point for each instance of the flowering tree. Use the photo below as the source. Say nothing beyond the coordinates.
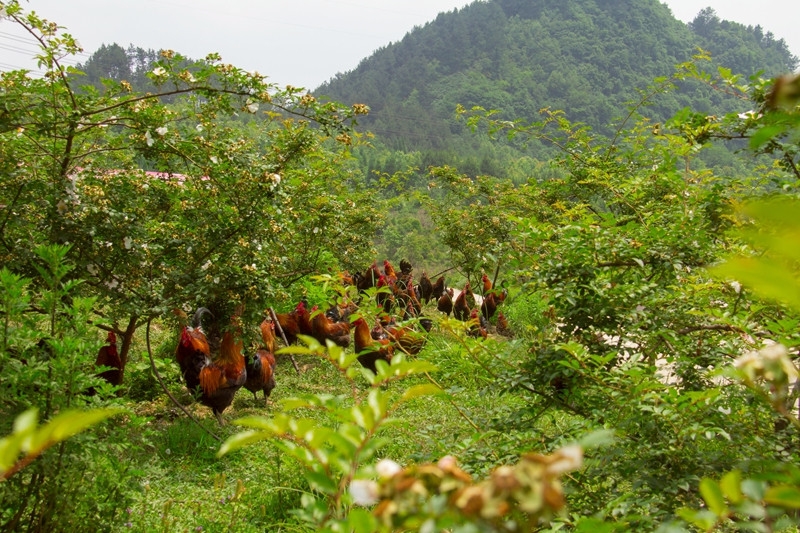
(220, 186)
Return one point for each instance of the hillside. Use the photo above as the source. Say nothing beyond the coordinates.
(587, 57)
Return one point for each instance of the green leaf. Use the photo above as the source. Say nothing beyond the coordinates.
(731, 485)
(767, 278)
(712, 494)
(417, 391)
(27, 421)
(703, 519)
(240, 440)
(765, 134)
(322, 483)
(10, 448)
(361, 521)
(68, 424)
(784, 496)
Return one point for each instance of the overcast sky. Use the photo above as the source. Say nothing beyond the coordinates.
(298, 42)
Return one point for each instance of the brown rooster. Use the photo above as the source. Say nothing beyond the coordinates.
(193, 349)
(389, 270)
(370, 350)
(261, 366)
(461, 309)
(487, 284)
(323, 328)
(438, 287)
(489, 305)
(478, 326)
(385, 294)
(445, 302)
(425, 288)
(297, 322)
(217, 379)
(407, 338)
(502, 326)
(368, 279)
(108, 356)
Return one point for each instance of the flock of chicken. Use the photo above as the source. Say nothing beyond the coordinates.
(400, 327)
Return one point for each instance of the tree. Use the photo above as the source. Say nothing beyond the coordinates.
(228, 192)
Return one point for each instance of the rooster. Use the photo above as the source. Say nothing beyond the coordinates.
(368, 279)
(445, 302)
(216, 379)
(425, 288)
(108, 356)
(487, 284)
(489, 305)
(261, 367)
(323, 328)
(502, 326)
(193, 349)
(369, 350)
(478, 326)
(384, 297)
(406, 338)
(406, 299)
(389, 271)
(297, 322)
(438, 287)
(461, 309)
(404, 279)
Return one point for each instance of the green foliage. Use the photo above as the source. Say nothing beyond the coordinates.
(32, 440)
(174, 198)
(47, 351)
(770, 229)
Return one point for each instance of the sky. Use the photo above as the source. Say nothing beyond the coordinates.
(303, 43)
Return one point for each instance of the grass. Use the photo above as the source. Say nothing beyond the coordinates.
(183, 486)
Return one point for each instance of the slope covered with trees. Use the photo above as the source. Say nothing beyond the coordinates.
(587, 57)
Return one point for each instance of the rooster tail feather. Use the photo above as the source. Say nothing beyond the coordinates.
(210, 379)
(198, 316)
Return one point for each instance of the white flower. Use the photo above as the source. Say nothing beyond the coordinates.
(252, 108)
(113, 284)
(128, 242)
(214, 159)
(159, 71)
(737, 287)
(276, 178)
(568, 458)
(92, 270)
(364, 491)
(162, 130)
(199, 127)
(387, 468)
(148, 138)
(206, 265)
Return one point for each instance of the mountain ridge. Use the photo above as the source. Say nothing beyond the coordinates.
(587, 57)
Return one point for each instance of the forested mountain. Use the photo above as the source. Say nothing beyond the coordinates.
(587, 57)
